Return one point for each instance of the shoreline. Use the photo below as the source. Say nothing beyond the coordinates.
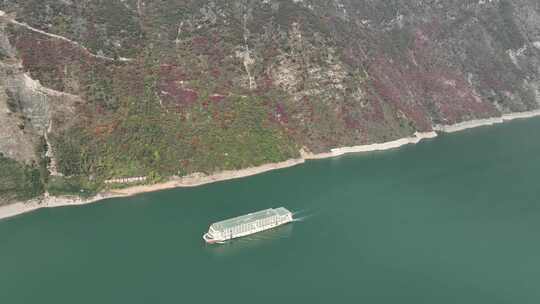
(199, 179)
(485, 122)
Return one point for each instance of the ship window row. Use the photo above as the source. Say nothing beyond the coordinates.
(253, 225)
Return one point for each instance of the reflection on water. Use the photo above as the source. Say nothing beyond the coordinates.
(236, 246)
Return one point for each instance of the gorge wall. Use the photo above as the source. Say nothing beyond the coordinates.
(95, 90)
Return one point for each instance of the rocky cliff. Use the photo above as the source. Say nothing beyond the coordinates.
(94, 90)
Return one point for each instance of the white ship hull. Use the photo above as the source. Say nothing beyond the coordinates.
(247, 225)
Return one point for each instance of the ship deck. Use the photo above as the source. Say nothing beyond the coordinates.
(247, 218)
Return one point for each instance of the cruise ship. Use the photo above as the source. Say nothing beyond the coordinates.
(247, 224)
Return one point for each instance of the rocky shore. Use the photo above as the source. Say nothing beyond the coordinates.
(198, 179)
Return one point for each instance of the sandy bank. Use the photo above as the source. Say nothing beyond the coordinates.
(418, 136)
(193, 180)
(50, 202)
(484, 122)
(199, 179)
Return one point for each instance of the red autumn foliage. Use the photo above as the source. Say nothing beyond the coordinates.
(215, 72)
(47, 58)
(425, 83)
(199, 44)
(171, 88)
(171, 72)
(217, 98)
(280, 113)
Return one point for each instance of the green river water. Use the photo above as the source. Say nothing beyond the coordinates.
(455, 219)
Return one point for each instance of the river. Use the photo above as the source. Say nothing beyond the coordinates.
(453, 219)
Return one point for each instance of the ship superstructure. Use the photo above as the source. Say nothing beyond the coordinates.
(247, 224)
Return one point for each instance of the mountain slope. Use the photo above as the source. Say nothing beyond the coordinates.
(161, 88)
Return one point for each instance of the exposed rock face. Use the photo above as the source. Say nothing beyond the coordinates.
(217, 78)
(27, 108)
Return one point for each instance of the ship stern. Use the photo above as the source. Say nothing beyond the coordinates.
(209, 239)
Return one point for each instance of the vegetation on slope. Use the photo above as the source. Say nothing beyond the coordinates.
(19, 182)
(217, 85)
(146, 136)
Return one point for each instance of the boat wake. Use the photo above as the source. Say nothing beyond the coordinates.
(303, 215)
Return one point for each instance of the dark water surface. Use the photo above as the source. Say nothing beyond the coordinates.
(451, 220)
